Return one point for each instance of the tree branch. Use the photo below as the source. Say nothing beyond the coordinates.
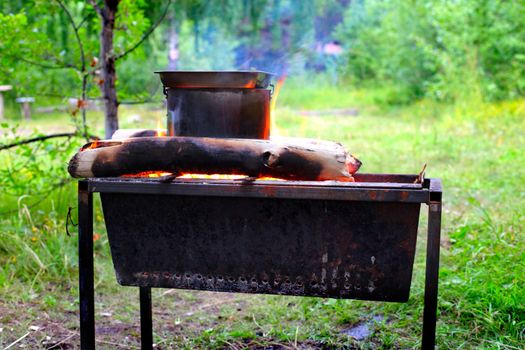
(77, 35)
(146, 35)
(97, 7)
(146, 100)
(82, 63)
(42, 65)
(140, 102)
(61, 63)
(36, 139)
(83, 20)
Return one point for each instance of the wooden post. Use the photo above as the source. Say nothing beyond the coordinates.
(26, 108)
(2, 89)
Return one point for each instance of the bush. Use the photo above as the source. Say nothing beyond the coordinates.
(35, 194)
(436, 48)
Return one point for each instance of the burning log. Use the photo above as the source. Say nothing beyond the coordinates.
(127, 133)
(293, 159)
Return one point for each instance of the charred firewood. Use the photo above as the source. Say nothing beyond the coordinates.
(128, 133)
(293, 159)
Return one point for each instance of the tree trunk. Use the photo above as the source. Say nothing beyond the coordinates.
(107, 60)
(293, 159)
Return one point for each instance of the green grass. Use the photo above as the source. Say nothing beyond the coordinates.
(477, 149)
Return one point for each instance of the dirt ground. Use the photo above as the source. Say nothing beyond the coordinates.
(179, 320)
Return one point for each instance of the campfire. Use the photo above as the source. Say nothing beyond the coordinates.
(217, 145)
(217, 204)
(218, 129)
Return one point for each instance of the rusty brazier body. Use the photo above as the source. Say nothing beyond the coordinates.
(263, 244)
(329, 239)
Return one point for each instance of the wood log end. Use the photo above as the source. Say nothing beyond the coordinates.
(352, 163)
(80, 165)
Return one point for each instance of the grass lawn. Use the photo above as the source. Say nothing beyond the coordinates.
(477, 149)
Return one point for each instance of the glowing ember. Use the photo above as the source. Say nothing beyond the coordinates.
(150, 174)
(212, 176)
(157, 174)
(224, 177)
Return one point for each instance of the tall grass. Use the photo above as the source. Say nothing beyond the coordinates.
(477, 149)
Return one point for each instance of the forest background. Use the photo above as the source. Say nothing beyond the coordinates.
(400, 83)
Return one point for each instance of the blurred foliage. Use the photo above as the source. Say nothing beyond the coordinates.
(40, 55)
(30, 172)
(35, 192)
(415, 48)
(437, 48)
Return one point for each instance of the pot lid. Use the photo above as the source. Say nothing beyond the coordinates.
(215, 79)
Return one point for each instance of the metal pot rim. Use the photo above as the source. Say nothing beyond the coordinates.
(215, 79)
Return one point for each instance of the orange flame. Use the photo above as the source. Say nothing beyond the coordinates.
(223, 177)
(151, 174)
(268, 178)
(92, 145)
(160, 130)
(274, 129)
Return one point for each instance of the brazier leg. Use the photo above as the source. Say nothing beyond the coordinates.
(146, 327)
(431, 276)
(85, 267)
